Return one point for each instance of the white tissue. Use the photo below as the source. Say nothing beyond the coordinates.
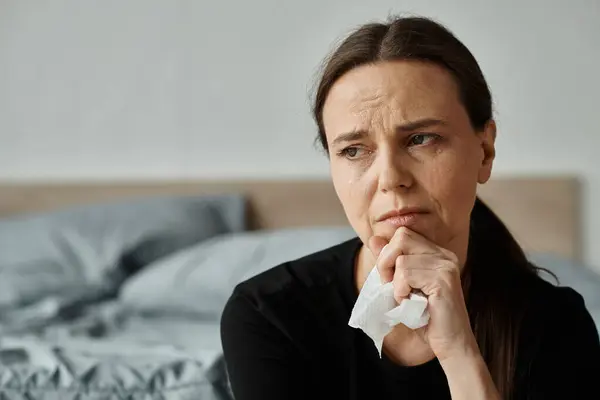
(376, 311)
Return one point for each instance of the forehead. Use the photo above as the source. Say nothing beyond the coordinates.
(408, 90)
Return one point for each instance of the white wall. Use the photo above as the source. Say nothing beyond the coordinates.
(158, 89)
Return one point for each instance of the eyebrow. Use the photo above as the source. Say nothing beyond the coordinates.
(419, 124)
(406, 127)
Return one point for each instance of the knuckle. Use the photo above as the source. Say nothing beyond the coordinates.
(403, 274)
(400, 234)
(450, 256)
(400, 261)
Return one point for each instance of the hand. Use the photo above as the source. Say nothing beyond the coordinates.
(411, 261)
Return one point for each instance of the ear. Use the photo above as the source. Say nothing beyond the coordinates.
(488, 147)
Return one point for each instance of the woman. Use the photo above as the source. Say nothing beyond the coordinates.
(405, 115)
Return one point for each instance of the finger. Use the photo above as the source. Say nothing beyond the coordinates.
(404, 267)
(408, 242)
(427, 281)
(377, 245)
(411, 242)
(401, 285)
(403, 242)
(426, 273)
(425, 261)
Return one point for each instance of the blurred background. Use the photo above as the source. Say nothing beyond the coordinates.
(154, 89)
(103, 92)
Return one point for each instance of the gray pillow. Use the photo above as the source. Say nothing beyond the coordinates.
(575, 275)
(199, 279)
(42, 254)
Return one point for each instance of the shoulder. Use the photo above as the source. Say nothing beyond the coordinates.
(559, 338)
(549, 299)
(295, 285)
(558, 314)
(549, 302)
(282, 304)
(314, 270)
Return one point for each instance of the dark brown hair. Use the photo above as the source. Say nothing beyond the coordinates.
(496, 289)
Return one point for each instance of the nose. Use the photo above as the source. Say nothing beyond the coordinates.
(393, 173)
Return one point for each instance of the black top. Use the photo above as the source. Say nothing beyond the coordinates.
(285, 335)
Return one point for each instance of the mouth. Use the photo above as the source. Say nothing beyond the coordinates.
(403, 217)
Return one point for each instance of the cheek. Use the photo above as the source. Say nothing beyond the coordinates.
(353, 190)
(348, 186)
(452, 183)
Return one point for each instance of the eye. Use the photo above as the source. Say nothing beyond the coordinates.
(422, 139)
(350, 152)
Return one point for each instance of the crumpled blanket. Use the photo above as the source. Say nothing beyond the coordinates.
(75, 348)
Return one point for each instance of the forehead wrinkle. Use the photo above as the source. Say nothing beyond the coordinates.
(366, 105)
(389, 96)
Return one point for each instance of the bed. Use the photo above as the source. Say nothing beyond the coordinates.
(113, 290)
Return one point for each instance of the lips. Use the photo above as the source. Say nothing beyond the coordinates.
(404, 217)
(400, 213)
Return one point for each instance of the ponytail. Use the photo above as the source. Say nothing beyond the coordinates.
(495, 279)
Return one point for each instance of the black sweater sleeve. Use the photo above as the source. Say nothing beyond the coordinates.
(566, 364)
(261, 361)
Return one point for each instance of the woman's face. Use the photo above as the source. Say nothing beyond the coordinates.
(401, 145)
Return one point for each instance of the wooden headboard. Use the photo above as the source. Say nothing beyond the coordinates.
(543, 213)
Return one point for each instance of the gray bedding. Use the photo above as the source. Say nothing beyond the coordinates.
(158, 339)
(64, 334)
(107, 352)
